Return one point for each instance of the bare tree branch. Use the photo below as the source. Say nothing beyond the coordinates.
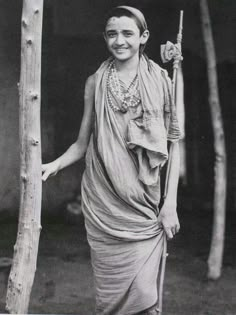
(26, 248)
(217, 242)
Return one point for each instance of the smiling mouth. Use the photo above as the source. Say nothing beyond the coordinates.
(120, 50)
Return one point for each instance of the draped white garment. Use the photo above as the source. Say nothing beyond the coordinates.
(121, 193)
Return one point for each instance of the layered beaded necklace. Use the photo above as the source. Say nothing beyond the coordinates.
(128, 97)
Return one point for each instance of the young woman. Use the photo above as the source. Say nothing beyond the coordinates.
(128, 119)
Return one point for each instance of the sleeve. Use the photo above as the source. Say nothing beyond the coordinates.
(169, 111)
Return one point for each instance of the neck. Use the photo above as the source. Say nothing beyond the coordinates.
(129, 65)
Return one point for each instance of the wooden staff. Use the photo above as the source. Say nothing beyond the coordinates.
(171, 51)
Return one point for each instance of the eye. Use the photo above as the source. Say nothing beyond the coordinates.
(111, 34)
(128, 33)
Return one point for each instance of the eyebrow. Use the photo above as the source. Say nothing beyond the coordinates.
(113, 30)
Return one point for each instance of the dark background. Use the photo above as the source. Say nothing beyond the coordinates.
(72, 49)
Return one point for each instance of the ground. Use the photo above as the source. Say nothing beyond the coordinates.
(64, 285)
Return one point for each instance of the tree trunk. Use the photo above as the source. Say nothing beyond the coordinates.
(217, 242)
(26, 248)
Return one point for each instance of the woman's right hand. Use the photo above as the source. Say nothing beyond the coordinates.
(50, 169)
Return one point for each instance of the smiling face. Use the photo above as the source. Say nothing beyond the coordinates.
(123, 38)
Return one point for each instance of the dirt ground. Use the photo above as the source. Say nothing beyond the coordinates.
(64, 284)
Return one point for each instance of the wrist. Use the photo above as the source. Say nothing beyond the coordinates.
(59, 167)
(170, 202)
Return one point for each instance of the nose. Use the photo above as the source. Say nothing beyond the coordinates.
(120, 39)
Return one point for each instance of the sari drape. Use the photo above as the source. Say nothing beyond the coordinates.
(121, 192)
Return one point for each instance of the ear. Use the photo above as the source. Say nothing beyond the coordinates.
(144, 37)
(104, 36)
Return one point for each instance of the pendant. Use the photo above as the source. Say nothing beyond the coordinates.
(123, 108)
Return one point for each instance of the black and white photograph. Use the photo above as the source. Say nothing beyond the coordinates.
(118, 157)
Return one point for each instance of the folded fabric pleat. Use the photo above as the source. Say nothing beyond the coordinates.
(121, 193)
(148, 135)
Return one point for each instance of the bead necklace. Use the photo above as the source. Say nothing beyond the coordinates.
(129, 97)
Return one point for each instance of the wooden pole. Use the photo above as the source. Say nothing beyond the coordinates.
(217, 241)
(26, 248)
(177, 58)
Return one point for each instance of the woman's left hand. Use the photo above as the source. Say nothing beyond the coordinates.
(169, 219)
